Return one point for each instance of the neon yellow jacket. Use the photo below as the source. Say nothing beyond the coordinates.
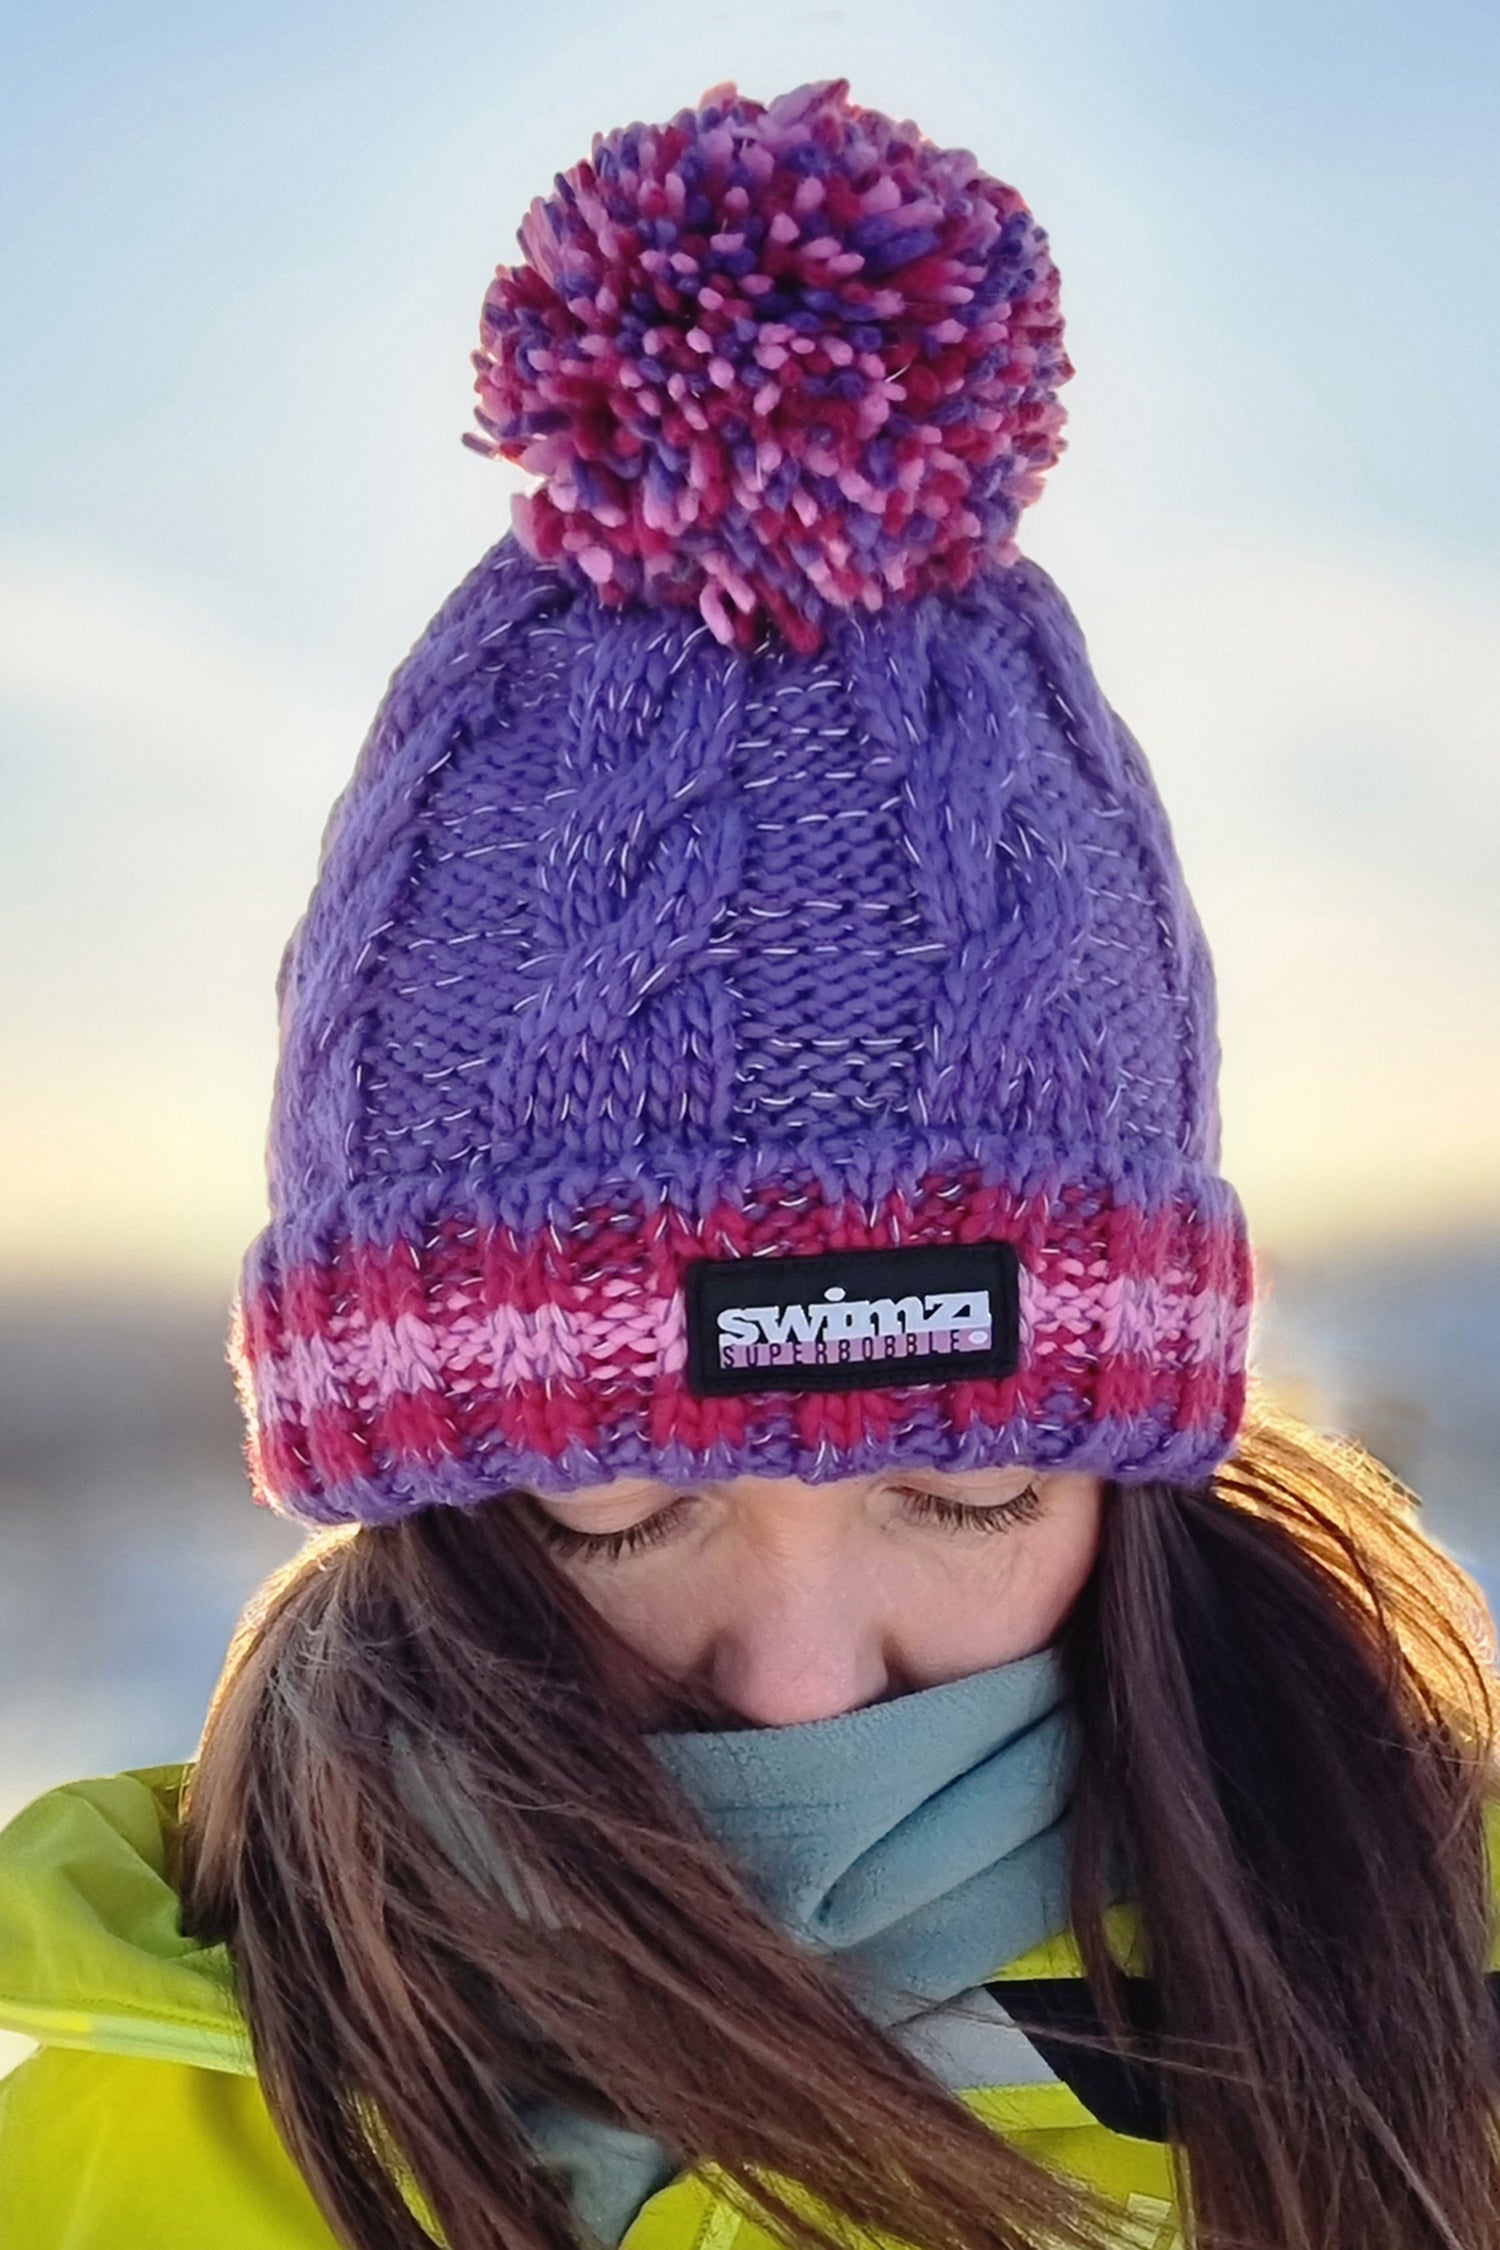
(139, 2123)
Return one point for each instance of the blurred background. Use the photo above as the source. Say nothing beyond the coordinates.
(242, 279)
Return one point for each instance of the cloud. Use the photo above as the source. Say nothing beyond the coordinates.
(138, 675)
(1323, 727)
(166, 778)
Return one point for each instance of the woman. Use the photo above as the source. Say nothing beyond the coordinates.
(814, 1707)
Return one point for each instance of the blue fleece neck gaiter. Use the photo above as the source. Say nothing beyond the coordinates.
(919, 1844)
(918, 1840)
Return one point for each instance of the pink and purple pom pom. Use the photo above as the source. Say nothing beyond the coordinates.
(774, 361)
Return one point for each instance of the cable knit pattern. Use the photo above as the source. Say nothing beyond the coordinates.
(628, 949)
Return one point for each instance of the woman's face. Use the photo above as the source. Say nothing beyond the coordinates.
(792, 1601)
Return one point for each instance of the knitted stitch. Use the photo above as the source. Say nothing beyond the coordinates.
(788, 354)
(630, 948)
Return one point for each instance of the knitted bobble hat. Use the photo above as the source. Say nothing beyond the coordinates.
(749, 1017)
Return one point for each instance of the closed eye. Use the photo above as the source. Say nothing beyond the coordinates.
(922, 1506)
(964, 1515)
(610, 1546)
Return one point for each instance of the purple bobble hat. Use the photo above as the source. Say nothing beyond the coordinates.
(749, 1018)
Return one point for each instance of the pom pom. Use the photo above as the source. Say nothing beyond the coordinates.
(774, 361)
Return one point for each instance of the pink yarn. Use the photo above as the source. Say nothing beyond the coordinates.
(774, 361)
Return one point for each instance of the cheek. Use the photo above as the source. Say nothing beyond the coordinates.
(987, 1599)
(1053, 1566)
(664, 1611)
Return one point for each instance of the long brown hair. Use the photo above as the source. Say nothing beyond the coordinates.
(1288, 1714)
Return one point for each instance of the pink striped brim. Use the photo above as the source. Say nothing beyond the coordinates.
(462, 1356)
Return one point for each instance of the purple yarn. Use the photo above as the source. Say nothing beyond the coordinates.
(598, 883)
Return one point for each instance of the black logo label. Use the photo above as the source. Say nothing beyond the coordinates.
(853, 1319)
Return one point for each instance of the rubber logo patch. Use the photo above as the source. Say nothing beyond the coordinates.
(853, 1319)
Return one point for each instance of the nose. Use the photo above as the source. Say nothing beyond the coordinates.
(802, 1646)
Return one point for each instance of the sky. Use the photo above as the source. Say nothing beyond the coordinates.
(242, 278)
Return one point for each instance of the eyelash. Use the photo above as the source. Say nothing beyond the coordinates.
(958, 1515)
(933, 1507)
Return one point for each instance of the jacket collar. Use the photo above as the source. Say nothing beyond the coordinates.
(92, 1955)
